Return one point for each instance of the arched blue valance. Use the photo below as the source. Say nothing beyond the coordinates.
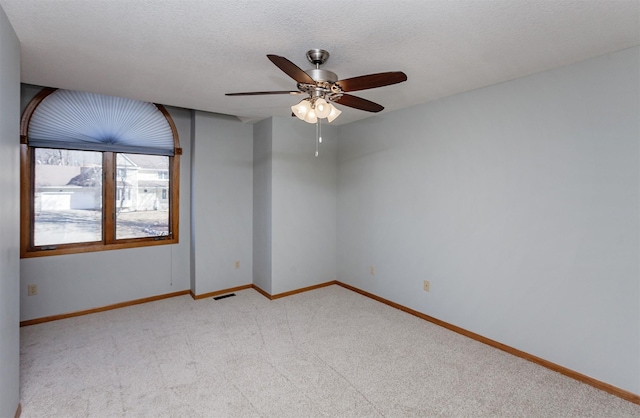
(94, 122)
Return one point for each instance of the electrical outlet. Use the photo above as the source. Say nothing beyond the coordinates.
(427, 286)
(32, 289)
(372, 270)
(237, 264)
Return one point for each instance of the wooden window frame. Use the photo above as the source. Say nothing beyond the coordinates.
(109, 241)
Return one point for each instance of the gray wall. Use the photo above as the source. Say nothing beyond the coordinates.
(9, 218)
(222, 202)
(304, 205)
(192, 244)
(69, 283)
(519, 202)
(262, 217)
(294, 213)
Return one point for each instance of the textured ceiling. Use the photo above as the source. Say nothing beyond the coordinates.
(188, 53)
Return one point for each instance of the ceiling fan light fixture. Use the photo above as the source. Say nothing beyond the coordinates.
(322, 108)
(302, 109)
(334, 113)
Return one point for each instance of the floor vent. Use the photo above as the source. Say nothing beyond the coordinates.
(224, 296)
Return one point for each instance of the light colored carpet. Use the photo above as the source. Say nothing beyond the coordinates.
(328, 352)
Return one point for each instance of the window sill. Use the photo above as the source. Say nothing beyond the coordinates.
(66, 249)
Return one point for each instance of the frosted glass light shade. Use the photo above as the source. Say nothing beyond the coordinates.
(301, 109)
(322, 108)
(311, 117)
(334, 113)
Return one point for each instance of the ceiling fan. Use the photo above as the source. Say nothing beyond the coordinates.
(323, 88)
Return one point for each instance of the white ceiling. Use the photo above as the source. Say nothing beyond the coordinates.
(188, 53)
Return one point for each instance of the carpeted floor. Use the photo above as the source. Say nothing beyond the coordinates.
(328, 352)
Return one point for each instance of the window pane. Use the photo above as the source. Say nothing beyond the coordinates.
(142, 208)
(68, 196)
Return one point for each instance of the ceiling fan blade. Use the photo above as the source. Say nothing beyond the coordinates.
(371, 81)
(359, 103)
(255, 93)
(291, 69)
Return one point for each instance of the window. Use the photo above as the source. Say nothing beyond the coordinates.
(96, 180)
(146, 215)
(67, 198)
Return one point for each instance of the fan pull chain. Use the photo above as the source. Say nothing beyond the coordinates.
(317, 135)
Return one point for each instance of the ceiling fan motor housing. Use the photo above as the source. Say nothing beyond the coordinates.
(322, 75)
